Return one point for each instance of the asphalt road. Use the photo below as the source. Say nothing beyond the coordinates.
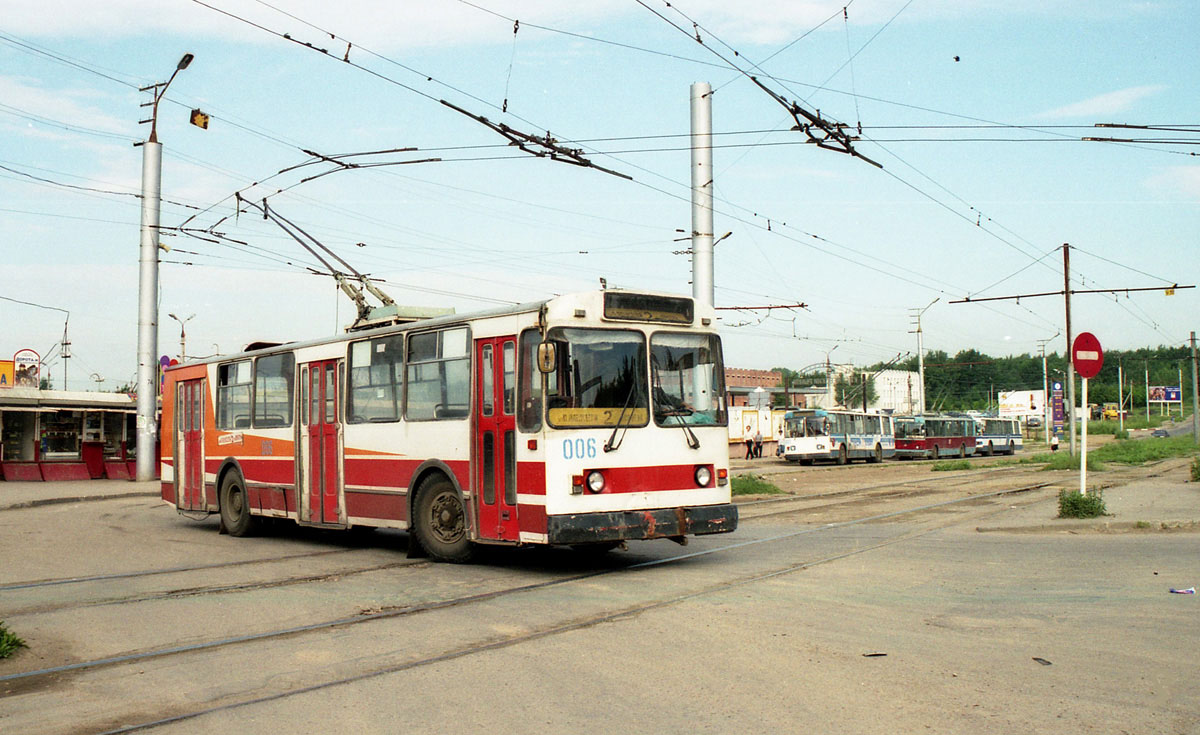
(852, 610)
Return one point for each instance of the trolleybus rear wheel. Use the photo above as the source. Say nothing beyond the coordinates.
(991, 449)
(235, 509)
(933, 452)
(440, 521)
(962, 451)
(1012, 448)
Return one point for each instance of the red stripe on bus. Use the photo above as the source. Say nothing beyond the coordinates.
(531, 518)
(531, 479)
(375, 505)
(651, 479)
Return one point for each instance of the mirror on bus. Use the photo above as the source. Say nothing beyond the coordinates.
(547, 357)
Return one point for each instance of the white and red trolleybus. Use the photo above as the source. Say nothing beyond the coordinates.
(934, 436)
(586, 419)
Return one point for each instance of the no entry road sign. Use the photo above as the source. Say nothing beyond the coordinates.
(1086, 355)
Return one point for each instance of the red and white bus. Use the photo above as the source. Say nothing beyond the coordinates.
(934, 436)
(586, 419)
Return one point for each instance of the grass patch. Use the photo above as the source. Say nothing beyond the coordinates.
(951, 465)
(1145, 450)
(9, 641)
(1124, 451)
(1073, 504)
(749, 484)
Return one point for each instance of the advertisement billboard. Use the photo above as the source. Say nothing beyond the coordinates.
(1016, 403)
(25, 368)
(6, 373)
(1166, 394)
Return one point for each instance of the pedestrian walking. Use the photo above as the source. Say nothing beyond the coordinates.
(758, 444)
(749, 445)
(1054, 442)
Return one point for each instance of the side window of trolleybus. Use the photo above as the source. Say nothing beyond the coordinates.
(600, 379)
(687, 379)
(439, 375)
(233, 395)
(529, 393)
(273, 377)
(376, 374)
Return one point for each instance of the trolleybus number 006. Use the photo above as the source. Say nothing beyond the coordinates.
(579, 448)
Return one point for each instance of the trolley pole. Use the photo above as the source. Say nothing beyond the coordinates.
(702, 193)
(147, 374)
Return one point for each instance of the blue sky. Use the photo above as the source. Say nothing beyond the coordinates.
(963, 206)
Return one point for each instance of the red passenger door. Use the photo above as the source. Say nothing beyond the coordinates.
(189, 460)
(322, 463)
(495, 452)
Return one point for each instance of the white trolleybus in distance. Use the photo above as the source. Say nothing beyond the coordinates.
(839, 436)
(997, 436)
(587, 419)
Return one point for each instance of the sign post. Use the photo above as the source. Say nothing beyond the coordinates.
(1088, 357)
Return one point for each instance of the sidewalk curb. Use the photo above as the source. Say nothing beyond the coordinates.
(1097, 527)
(74, 499)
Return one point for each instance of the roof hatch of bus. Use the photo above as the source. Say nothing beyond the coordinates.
(395, 314)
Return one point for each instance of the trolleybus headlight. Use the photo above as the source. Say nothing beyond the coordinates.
(703, 476)
(595, 481)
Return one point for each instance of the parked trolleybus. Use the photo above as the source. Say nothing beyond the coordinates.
(840, 436)
(934, 436)
(587, 419)
(993, 435)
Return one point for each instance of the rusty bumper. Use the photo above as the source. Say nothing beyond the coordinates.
(583, 528)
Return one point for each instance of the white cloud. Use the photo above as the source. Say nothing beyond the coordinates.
(1108, 103)
(1183, 180)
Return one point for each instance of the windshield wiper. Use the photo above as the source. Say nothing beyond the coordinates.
(677, 409)
(613, 444)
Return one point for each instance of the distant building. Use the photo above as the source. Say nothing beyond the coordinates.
(896, 391)
(742, 384)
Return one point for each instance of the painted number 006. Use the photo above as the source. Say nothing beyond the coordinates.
(579, 448)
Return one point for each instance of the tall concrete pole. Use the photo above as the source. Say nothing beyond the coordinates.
(1121, 395)
(1046, 418)
(1070, 362)
(147, 374)
(702, 193)
(1195, 396)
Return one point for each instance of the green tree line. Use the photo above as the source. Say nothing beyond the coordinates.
(972, 379)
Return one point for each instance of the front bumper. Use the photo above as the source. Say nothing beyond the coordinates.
(584, 528)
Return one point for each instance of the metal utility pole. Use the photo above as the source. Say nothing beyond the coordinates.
(147, 375)
(1195, 397)
(702, 193)
(921, 350)
(1121, 395)
(1147, 392)
(1070, 363)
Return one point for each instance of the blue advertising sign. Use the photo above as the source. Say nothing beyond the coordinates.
(1057, 404)
(1166, 394)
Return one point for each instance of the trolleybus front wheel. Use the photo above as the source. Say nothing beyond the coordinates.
(933, 452)
(962, 451)
(877, 456)
(235, 508)
(440, 521)
(842, 457)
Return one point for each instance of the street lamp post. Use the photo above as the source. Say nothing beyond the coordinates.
(182, 335)
(147, 375)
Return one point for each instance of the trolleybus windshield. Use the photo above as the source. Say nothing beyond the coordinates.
(600, 378)
(686, 375)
